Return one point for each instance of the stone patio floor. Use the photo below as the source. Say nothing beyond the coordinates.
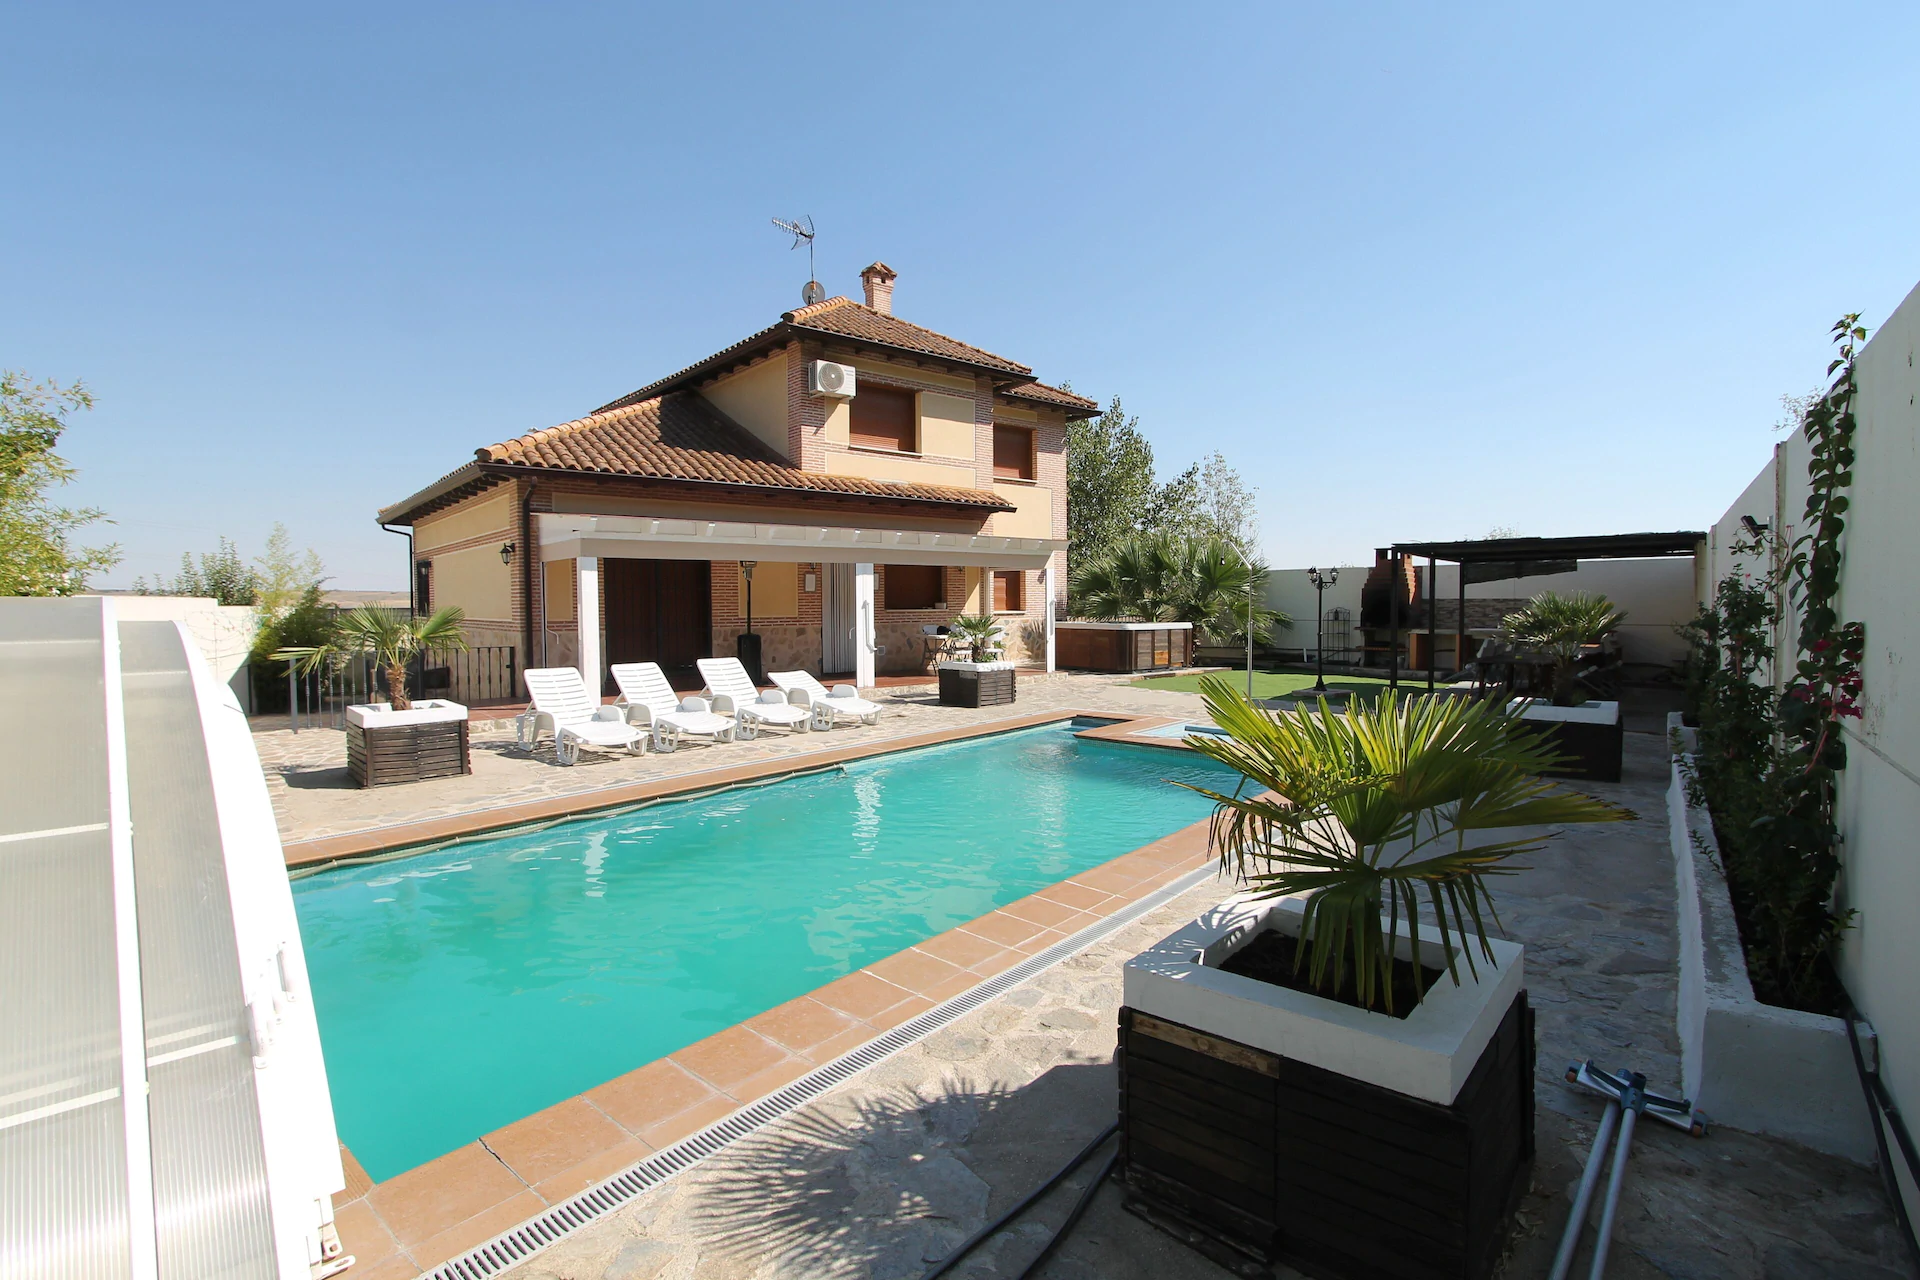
(888, 1171)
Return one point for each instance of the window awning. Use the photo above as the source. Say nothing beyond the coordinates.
(565, 537)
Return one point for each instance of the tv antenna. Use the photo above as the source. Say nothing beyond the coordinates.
(801, 229)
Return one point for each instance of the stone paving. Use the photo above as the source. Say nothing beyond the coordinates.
(889, 1170)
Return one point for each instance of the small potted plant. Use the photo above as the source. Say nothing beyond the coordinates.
(400, 740)
(1584, 732)
(983, 678)
(1334, 1068)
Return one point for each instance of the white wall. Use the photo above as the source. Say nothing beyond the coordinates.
(1657, 596)
(1289, 591)
(222, 632)
(1879, 796)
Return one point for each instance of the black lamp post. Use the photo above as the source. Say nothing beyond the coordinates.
(749, 645)
(1321, 581)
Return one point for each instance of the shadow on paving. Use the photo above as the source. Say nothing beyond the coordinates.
(884, 1186)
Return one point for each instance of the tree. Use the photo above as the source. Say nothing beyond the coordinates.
(1226, 506)
(221, 575)
(1164, 577)
(1110, 482)
(286, 576)
(36, 556)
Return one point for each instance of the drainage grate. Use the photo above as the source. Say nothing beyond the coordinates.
(529, 1238)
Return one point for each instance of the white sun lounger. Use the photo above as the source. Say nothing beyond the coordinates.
(829, 706)
(735, 693)
(562, 707)
(649, 702)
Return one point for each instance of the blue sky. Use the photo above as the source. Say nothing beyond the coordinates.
(1417, 270)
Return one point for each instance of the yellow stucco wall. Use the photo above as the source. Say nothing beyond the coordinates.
(839, 424)
(882, 466)
(1033, 517)
(469, 520)
(559, 590)
(756, 398)
(475, 580)
(946, 425)
(776, 589)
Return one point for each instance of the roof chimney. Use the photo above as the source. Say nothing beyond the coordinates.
(878, 280)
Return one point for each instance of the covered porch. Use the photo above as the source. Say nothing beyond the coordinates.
(642, 588)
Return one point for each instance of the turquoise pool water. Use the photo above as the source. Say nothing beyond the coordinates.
(459, 991)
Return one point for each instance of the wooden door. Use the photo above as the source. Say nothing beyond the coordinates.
(685, 602)
(658, 611)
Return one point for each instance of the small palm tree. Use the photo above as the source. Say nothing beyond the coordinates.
(981, 633)
(1372, 810)
(1560, 626)
(1206, 581)
(392, 639)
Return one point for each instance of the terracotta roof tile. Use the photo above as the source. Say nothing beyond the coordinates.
(682, 437)
(1041, 393)
(845, 318)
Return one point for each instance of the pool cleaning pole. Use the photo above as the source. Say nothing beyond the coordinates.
(1250, 585)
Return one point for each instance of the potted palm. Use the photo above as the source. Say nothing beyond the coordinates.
(1334, 1067)
(402, 739)
(983, 678)
(1585, 732)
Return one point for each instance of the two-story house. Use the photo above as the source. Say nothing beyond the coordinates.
(864, 476)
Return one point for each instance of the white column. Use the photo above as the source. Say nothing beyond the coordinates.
(1046, 589)
(864, 632)
(586, 608)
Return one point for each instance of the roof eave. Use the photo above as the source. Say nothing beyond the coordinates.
(507, 469)
(405, 510)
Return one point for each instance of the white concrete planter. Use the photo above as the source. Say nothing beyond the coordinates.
(1426, 1055)
(381, 715)
(956, 664)
(1745, 1064)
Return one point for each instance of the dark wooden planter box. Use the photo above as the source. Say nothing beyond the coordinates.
(407, 753)
(1255, 1158)
(1593, 751)
(960, 687)
(1112, 649)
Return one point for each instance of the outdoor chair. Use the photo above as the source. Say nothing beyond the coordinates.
(829, 706)
(735, 693)
(649, 703)
(563, 707)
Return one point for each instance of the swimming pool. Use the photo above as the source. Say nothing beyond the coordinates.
(461, 990)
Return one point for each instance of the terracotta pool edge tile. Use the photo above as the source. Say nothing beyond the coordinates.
(478, 1229)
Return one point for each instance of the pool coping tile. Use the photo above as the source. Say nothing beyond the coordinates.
(441, 1209)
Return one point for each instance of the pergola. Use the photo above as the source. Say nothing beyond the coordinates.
(1497, 559)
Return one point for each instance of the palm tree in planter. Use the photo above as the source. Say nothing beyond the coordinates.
(983, 678)
(1362, 1042)
(399, 740)
(1560, 627)
(1587, 736)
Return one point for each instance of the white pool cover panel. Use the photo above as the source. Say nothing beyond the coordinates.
(163, 1110)
(209, 1172)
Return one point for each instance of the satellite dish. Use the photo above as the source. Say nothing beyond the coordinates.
(813, 291)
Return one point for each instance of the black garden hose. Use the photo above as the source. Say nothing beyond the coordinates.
(1025, 1202)
(1884, 1113)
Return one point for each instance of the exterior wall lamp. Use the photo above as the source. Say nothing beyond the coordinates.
(506, 553)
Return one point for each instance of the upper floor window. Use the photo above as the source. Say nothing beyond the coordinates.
(423, 586)
(883, 418)
(1012, 452)
(911, 586)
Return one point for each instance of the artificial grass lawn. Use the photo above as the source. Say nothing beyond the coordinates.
(1275, 684)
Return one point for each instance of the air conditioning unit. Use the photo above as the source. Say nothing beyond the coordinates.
(825, 378)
